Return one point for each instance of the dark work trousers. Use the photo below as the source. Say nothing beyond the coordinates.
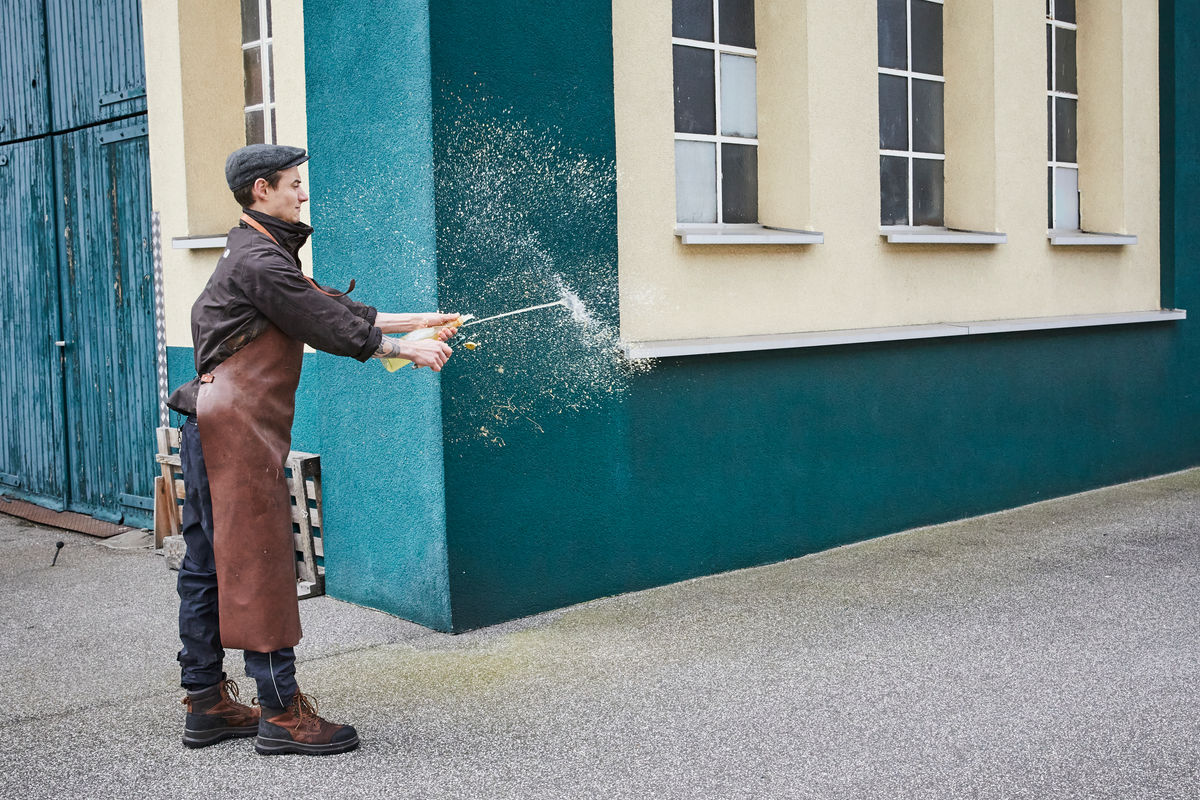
(199, 630)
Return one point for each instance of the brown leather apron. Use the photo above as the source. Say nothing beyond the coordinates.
(245, 421)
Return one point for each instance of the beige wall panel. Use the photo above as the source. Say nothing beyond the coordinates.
(969, 43)
(856, 279)
(1141, 127)
(211, 59)
(1101, 68)
(782, 40)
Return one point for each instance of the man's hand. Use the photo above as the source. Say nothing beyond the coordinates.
(404, 323)
(432, 353)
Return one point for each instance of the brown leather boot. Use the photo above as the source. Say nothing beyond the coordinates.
(298, 729)
(214, 714)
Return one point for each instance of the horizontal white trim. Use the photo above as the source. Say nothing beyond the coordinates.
(1089, 238)
(913, 154)
(746, 234)
(904, 73)
(784, 341)
(931, 235)
(715, 138)
(202, 242)
(721, 47)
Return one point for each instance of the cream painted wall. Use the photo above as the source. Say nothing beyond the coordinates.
(856, 279)
(195, 101)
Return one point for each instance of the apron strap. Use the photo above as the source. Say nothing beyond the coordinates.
(253, 223)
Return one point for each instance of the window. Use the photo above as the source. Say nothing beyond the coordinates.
(1062, 106)
(716, 112)
(258, 66)
(912, 150)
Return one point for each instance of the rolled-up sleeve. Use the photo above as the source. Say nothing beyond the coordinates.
(369, 313)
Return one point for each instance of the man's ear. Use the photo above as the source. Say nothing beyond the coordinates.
(259, 190)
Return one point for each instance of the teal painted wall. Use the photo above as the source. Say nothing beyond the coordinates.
(371, 176)
(538, 456)
(713, 463)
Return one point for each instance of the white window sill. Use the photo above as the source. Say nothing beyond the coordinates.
(746, 234)
(782, 341)
(203, 242)
(1063, 237)
(933, 235)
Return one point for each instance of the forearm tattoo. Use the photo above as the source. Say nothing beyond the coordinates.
(388, 348)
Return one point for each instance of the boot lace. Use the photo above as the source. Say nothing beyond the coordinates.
(230, 688)
(306, 706)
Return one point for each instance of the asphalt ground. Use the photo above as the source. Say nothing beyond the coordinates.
(1052, 651)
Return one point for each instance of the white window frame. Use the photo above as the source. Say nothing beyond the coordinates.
(264, 43)
(717, 139)
(1054, 164)
(910, 153)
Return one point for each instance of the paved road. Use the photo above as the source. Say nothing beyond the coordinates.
(1048, 652)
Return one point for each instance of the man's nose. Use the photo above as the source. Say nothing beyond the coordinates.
(303, 196)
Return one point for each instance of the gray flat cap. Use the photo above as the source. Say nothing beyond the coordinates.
(245, 166)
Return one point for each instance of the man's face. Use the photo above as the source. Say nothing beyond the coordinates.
(284, 201)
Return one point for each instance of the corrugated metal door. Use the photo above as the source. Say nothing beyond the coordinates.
(24, 87)
(32, 445)
(96, 67)
(107, 289)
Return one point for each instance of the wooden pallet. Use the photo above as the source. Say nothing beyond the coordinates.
(303, 472)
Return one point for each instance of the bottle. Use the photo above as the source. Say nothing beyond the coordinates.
(393, 364)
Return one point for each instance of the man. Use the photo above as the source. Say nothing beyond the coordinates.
(237, 583)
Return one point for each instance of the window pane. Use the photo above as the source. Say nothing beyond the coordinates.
(927, 124)
(737, 22)
(274, 129)
(695, 90)
(254, 127)
(739, 183)
(1064, 10)
(739, 102)
(1066, 198)
(893, 112)
(893, 34)
(252, 72)
(249, 21)
(928, 192)
(893, 190)
(271, 70)
(1049, 192)
(1064, 61)
(268, 17)
(1066, 137)
(1050, 128)
(927, 37)
(695, 181)
(1049, 58)
(692, 19)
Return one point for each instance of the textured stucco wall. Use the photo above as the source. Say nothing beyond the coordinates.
(379, 435)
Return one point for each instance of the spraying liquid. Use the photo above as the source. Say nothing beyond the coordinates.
(562, 302)
(569, 300)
